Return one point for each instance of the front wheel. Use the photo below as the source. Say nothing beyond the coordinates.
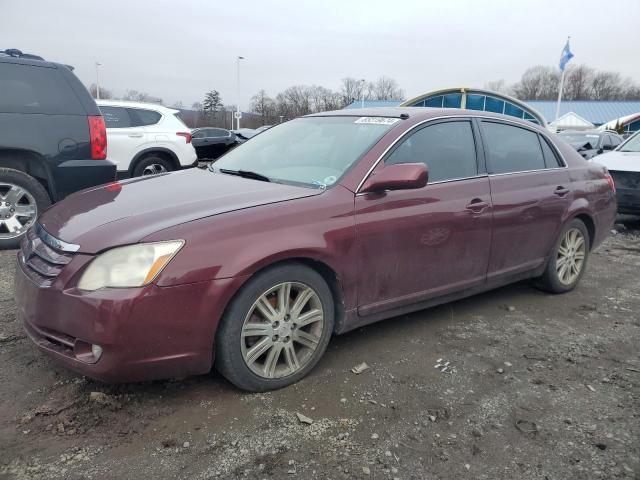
(276, 329)
(22, 199)
(568, 259)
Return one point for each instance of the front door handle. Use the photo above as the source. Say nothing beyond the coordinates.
(477, 205)
(561, 191)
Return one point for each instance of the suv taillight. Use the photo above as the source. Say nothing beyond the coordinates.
(186, 135)
(610, 181)
(97, 137)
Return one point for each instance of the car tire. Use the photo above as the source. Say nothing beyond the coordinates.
(237, 352)
(152, 165)
(23, 193)
(570, 252)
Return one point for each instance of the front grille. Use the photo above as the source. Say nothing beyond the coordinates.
(626, 179)
(41, 262)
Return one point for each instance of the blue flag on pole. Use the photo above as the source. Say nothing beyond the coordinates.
(565, 56)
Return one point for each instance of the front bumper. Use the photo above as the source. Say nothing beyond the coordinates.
(145, 333)
(73, 175)
(628, 200)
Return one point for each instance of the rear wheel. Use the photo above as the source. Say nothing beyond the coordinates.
(568, 260)
(276, 329)
(152, 165)
(22, 199)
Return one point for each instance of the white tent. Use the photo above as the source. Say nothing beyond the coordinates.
(571, 121)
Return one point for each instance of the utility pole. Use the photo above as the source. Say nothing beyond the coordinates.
(238, 114)
(97, 82)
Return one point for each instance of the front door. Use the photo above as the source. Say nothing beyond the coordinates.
(413, 245)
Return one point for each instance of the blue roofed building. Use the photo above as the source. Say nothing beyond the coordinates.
(573, 114)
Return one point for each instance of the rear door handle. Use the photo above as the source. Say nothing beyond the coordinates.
(561, 191)
(477, 205)
(136, 135)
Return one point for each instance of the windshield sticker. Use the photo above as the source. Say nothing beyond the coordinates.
(591, 136)
(377, 120)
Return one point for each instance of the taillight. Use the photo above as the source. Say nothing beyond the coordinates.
(97, 137)
(186, 135)
(610, 181)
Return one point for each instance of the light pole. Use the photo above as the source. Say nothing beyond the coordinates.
(238, 86)
(97, 82)
(362, 93)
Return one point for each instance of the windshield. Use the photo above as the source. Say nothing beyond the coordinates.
(631, 145)
(581, 138)
(311, 150)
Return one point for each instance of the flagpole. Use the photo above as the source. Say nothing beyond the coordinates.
(559, 97)
(563, 67)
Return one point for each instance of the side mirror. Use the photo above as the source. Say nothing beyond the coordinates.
(402, 176)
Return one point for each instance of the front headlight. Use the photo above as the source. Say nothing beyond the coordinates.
(130, 266)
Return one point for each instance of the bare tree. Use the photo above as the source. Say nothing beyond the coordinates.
(105, 94)
(178, 105)
(499, 86)
(352, 90)
(385, 88)
(136, 96)
(577, 83)
(263, 105)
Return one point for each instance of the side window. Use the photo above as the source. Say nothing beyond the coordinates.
(140, 117)
(115, 117)
(512, 149)
(550, 157)
(615, 140)
(218, 132)
(198, 134)
(448, 149)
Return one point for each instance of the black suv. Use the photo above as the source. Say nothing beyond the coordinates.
(52, 140)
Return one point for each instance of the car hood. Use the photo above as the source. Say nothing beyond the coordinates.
(125, 212)
(620, 161)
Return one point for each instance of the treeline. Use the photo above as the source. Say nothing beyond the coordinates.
(301, 100)
(581, 83)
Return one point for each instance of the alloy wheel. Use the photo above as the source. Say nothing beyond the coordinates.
(570, 256)
(282, 330)
(18, 210)
(154, 169)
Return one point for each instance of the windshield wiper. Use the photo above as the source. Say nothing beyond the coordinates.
(246, 174)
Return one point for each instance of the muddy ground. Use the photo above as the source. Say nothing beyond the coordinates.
(538, 387)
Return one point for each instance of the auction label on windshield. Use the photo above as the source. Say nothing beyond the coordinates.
(377, 120)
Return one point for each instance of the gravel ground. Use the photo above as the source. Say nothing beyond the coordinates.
(537, 386)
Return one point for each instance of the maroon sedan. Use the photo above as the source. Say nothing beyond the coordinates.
(314, 227)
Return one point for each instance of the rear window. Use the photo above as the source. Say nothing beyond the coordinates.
(32, 89)
(141, 117)
(512, 149)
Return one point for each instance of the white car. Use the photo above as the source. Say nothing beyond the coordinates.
(624, 166)
(146, 138)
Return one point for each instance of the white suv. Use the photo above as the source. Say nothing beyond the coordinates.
(145, 138)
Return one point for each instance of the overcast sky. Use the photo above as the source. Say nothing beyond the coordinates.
(178, 50)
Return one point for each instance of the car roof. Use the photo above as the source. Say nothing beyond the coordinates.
(146, 105)
(421, 113)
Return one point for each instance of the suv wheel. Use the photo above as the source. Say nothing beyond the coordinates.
(22, 198)
(568, 259)
(276, 329)
(152, 165)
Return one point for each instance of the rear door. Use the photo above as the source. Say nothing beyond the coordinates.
(530, 192)
(123, 138)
